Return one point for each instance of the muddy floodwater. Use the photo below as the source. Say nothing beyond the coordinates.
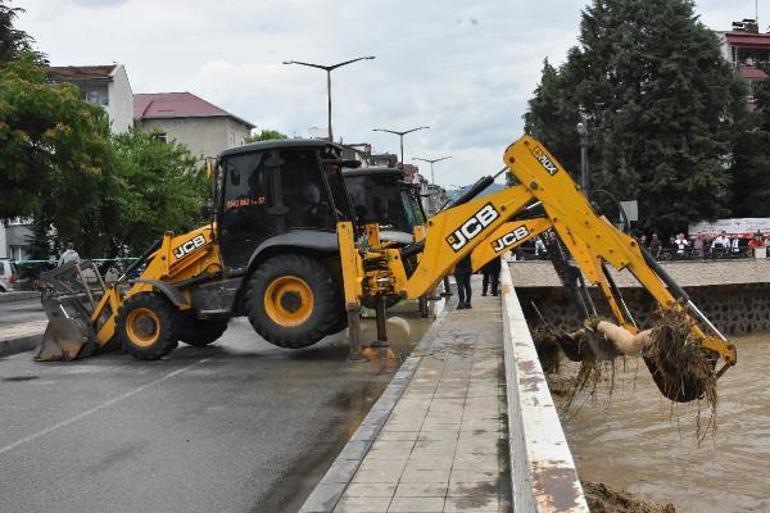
(633, 439)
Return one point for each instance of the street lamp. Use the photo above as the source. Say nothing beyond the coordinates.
(431, 162)
(329, 70)
(582, 129)
(401, 137)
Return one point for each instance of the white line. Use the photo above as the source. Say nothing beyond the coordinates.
(99, 407)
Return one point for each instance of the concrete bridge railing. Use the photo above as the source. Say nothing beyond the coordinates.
(543, 474)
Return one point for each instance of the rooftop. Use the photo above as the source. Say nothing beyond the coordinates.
(178, 105)
(748, 39)
(78, 73)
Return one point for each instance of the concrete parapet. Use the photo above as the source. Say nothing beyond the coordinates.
(543, 474)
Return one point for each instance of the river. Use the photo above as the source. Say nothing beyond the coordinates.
(633, 439)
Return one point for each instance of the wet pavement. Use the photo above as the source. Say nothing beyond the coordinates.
(634, 439)
(241, 426)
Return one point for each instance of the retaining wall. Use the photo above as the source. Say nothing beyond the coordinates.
(735, 295)
(543, 474)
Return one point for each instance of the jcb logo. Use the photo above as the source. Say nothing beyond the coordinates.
(472, 227)
(189, 246)
(510, 238)
(546, 162)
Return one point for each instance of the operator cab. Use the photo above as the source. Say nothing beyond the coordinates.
(279, 192)
(380, 195)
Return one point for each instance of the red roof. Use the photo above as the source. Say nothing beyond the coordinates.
(748, 39)
(178, 105)
(752, 73)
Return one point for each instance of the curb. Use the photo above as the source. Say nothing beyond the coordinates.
(20, 344)
(8, 297)
(329, 490)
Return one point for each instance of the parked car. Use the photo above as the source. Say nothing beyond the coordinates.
(8, 275)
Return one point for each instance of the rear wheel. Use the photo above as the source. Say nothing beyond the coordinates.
(200, 332)
(147, 326)
(292, 301)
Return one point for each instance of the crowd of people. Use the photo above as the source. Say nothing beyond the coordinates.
(700, 246)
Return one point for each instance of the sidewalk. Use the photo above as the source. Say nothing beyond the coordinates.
(444, 445)
(24, 336)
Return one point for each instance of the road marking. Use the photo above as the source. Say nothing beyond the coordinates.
(99, 407)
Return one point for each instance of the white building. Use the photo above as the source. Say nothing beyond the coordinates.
(107, 86)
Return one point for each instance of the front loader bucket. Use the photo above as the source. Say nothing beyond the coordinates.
(68, 335)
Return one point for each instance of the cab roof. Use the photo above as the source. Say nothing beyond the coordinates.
(373, 171)
(277, 144)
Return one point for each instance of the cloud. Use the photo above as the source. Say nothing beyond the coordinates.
(464, 68)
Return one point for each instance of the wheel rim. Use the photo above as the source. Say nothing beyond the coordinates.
(143, 327)
(289, 301)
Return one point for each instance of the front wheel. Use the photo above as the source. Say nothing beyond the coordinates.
(292, 301)
(147, 326)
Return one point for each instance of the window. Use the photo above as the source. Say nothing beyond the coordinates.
(304, 192)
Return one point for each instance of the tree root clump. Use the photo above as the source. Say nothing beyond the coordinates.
(603, 499)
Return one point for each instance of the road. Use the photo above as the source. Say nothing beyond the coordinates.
(13, 312)
(240, 426)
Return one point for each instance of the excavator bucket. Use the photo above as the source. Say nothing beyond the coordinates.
(68, 300)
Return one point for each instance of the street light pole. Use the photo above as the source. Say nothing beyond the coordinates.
(582, 129)
(431, 162)
(329, 70)
(401, 135)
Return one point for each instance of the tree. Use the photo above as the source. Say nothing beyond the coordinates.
(13, 41)
(265, 135)
(662, 105)
(52, 145)
(751, 185)
(151, 187)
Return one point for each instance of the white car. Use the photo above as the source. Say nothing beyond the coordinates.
(8, 275)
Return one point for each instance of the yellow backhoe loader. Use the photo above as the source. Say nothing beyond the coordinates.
(284, 249)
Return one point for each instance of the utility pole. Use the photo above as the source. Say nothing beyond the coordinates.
(401, 137)
(329, 70)
(582, 129)
(431, 162)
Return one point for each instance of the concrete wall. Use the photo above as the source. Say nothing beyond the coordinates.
(205, 137)
(543, 473)
(121, 101)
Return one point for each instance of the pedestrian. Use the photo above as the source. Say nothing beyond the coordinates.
(491, 272)
(736, 245)
(540, 250)
(722, 242)
(655, 245)
(644, 242)
(463, 273)
(757, 242)
(69, 255)
(697, 246)
(682, 245)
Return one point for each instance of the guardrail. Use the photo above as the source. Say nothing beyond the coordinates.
(543, 474)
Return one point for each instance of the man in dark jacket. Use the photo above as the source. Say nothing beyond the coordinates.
(491, 272)
(463, 273)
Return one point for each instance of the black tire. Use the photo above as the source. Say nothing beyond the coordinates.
(201, 332)
(304, 321)
(150, 314)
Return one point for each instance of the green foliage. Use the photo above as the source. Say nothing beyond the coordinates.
(662, 105)
(265, 135)
(751, 187)
(151, 187)
(13, 41)
(52, 146)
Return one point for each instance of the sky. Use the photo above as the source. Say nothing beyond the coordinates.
(464, 68)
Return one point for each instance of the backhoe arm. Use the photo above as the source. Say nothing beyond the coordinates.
(508, 237)
(594, 240)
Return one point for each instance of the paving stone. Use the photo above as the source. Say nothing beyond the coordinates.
(370, 490)
(416, 505)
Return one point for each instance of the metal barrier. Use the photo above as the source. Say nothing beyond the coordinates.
(543, 474)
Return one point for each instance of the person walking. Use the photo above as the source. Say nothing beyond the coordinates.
(491, 272)
(69, 255)
(463, 273)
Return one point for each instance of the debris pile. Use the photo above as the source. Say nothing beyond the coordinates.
(603, 499)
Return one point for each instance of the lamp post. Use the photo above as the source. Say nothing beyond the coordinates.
(400, 136)
(431, 162)
(329, 70)
(582, 129)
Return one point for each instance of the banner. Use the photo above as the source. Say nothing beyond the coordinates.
(744, 227)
